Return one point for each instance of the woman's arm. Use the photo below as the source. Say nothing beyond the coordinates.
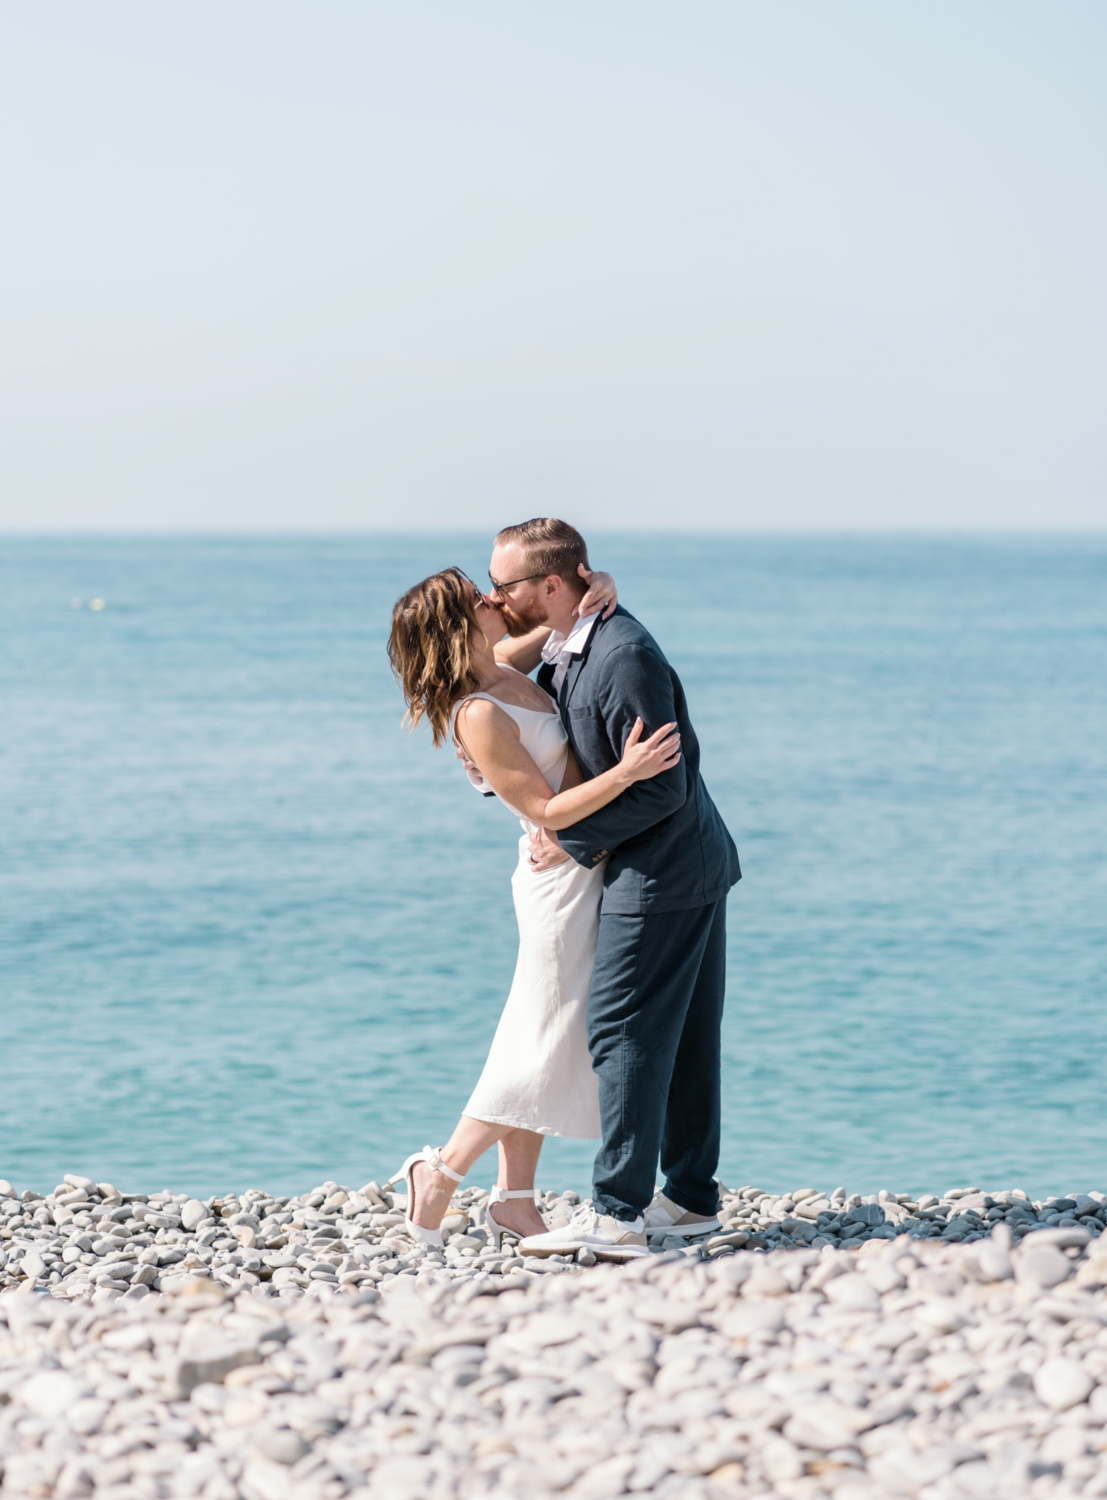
(523, 652)
(492, 742)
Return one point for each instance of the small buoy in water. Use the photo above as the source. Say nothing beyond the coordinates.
(97, 603)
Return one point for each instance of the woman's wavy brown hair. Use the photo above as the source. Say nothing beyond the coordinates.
(430, 648)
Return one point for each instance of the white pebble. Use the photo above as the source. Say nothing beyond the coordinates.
(327, 1354)
(1062, 1383)
(50, 1393)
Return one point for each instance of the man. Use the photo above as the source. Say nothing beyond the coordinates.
(655, 1007)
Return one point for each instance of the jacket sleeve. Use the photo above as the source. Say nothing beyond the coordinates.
(632, 684)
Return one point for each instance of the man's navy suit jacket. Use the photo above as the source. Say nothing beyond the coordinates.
(668, 847)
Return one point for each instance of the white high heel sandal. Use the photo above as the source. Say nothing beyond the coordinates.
(406, 1173)
(500, 1195)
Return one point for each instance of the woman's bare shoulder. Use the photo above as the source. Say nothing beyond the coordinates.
(483, 714)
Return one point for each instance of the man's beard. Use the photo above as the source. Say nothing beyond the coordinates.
(522, 621)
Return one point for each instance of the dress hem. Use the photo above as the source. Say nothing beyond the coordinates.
(566, 1135)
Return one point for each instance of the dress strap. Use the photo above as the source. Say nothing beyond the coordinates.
(461, 702)
(512, 710)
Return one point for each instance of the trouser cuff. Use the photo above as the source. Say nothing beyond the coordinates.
(617, 1209)
(693, 1203)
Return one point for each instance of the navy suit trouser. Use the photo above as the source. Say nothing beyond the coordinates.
(654, 1031)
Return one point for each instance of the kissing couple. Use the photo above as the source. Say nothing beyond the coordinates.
(612, 1027)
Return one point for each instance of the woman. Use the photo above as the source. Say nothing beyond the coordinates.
(538, 1078)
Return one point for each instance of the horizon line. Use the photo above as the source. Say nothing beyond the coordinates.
(289, 533)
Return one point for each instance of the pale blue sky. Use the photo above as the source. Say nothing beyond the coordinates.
(352, 265)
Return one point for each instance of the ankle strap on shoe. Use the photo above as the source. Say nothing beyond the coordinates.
(501, 1195)
(434, 1161)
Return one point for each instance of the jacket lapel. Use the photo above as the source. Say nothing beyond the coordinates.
(572, 672)
(575, 667)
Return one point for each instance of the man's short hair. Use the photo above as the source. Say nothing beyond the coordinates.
(551, 546)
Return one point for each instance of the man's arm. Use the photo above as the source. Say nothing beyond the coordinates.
(633, 684)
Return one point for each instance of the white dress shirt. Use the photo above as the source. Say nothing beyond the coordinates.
(562, 648)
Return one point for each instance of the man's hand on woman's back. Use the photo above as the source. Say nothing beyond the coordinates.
(545, 851)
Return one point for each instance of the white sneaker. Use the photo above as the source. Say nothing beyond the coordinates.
(666, 1217)
(608, 1238)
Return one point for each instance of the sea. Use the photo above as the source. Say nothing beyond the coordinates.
(255, 932)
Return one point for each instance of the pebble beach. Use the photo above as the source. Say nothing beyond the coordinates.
(280, 1348)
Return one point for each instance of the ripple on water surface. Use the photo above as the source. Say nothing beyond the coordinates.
(253, 932)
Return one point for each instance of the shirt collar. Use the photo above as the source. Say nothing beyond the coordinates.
(561, 647)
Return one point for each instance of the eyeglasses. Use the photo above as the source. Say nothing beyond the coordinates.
(501, 588)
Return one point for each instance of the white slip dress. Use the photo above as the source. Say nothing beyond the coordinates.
(538, 1075)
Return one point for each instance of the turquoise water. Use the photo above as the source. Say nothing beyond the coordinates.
(253, 933)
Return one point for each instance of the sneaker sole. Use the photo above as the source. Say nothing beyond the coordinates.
(601, 1252)
(683, 1231)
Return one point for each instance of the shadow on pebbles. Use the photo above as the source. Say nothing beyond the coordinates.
(272, 1348)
